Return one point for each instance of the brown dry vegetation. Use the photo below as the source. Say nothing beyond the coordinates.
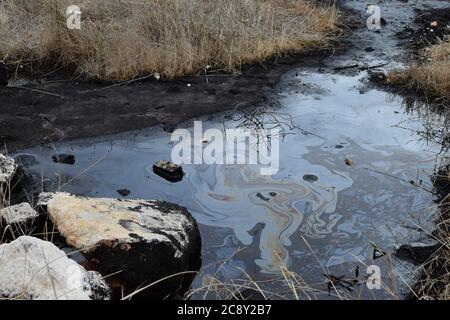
(121, 39)
(431, 76)
(435, 276)
(434, 281)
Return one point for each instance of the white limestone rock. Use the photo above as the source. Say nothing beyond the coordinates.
(18, 214)
(37, 270)
(7, 168)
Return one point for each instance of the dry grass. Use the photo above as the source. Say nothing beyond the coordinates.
(434, 281)
(127, 38)
(430, 76)
(286, 284)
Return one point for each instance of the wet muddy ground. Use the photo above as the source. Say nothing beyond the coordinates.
(354, 178)
(316, 214)
(59, 109)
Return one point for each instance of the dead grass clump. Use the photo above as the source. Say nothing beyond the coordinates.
(430, 76)
(122, 39)
(434, 280)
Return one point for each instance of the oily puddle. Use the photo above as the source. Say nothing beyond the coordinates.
(316, 216)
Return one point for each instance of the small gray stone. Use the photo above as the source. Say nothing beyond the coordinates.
(20, 213)
(43, 199)
(124, 192)
(64, 158)
(7, 168)
(310, 178)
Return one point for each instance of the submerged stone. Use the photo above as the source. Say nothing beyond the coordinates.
(262, 197)
(37, 270)
(310, 178)
(138, 241)
(64, 158)
(124, 192)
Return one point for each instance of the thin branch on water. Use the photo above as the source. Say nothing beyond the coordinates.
(121, 84)
(36, 90)
(412, 182)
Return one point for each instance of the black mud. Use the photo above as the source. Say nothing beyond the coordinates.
(429, 27)
(432, 27)
(59, 109)
(56, 108)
